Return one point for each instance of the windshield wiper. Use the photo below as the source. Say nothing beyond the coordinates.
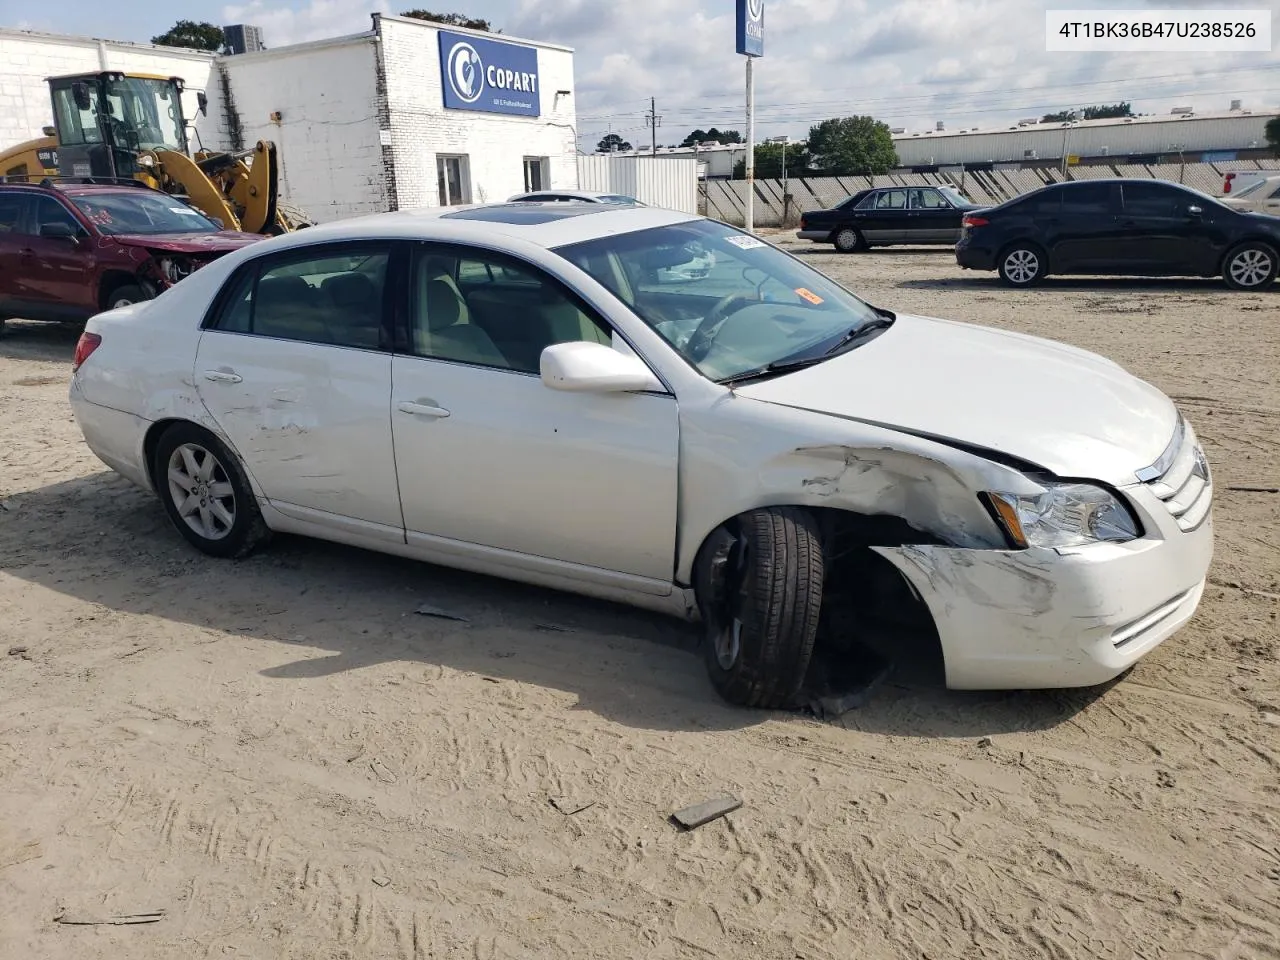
(884, 319)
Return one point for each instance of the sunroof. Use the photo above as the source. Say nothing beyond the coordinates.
(526, 213)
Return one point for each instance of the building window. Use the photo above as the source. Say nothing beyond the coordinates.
(535, 174)
(454, 176)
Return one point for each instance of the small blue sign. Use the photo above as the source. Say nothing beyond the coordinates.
(1220, 156)
(750, 27)
(488, 76)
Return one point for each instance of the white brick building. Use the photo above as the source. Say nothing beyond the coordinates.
(360, 122)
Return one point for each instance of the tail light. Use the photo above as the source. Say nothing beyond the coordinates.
(85, 346)
(1226, 184)
(972, 221)
(804, 224)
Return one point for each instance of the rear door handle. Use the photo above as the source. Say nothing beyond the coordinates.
(222, 376)
(423, 409)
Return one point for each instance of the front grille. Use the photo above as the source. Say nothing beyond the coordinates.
(1181, 480)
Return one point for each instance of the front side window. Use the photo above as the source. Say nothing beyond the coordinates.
(49, 212)
(1150, 200)
(927, 199)
(726, 301)
(76, 126)
(140, 212)
(334, 296)
(484, 309)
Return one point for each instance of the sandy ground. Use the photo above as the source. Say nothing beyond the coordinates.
(289, 763)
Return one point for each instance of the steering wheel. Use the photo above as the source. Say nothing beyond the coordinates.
(700, 340)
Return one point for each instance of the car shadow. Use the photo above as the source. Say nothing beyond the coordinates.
(31, 340)
(826, 250)
(1089, 284)
(361, 609)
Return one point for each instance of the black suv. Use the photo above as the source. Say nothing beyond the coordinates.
(1145, 228)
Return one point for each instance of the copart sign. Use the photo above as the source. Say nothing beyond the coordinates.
(488, 76)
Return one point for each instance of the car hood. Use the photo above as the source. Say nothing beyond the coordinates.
(223, 241)
(1063, 409)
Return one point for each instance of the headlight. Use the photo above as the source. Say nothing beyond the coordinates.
(1065, 515)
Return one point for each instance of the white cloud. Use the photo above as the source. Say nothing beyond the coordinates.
(317, 20)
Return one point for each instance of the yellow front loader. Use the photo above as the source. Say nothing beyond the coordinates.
(111, 125)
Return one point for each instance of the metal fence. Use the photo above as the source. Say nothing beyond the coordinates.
(726, 199)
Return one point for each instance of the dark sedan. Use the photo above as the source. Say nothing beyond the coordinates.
(1143, 228)
(888, 215)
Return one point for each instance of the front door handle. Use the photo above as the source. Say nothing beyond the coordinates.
(222, 376)
(423, 409)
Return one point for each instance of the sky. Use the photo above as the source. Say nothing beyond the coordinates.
(910, 63)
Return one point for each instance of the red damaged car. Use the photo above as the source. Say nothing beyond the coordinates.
(69, 250)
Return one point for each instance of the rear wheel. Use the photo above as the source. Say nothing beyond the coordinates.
(849, 241)
(125, 295)
(206, 494)
(1250, 266)
(1022, 265)
(759, 587)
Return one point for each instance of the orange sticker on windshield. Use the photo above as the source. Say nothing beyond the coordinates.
(809, 295)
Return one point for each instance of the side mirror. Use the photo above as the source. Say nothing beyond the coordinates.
(59, 231)
(80, 93)
(584, 367)
(202, 101)
(1194, 211)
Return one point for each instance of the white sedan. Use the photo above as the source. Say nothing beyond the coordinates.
(517, 390)
(1262, 195)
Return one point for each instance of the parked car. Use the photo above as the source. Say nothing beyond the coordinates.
(885, 216)
(1145, 228)
(1237, 181)
(1259, 196)
(69, 250)
(526, 397)
(573, 196)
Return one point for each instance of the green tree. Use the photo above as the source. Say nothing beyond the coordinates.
(1105, 111)
(719, 136)
(768, 158)
(852, 146)
(1272, 132)
(452, 20)
(197, 36)
(611, 142)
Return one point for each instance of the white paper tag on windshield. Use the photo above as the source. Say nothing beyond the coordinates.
(744, 242)
(185, 211)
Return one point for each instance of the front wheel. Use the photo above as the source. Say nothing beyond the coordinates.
(760, 582)
(206, 494)
(1022, 265)
(124, 296)
(1250, 266)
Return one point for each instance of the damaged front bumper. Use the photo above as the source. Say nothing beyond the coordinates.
(1043, 618)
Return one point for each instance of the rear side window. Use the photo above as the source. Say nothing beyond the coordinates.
(1087, 199)
(1151, 200)
(336, 296)
(10, 212)
(1047, 203)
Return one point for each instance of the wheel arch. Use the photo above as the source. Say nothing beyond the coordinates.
(891, 600)
(1266, 241)
(113, 279)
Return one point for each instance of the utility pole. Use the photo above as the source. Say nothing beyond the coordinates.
(655, 122)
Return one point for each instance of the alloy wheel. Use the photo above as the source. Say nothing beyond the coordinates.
(1022, 266)
(202, 491)
(1249, 268)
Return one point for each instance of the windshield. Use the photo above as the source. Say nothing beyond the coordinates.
(149, 109)
(955, 196)
(726, 301)
(141, 213)
(1251, 188)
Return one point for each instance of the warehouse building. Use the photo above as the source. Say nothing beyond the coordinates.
(1222, 136)
(404, 115)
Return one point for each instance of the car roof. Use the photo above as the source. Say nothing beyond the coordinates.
(545, 226)
(76, 189)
